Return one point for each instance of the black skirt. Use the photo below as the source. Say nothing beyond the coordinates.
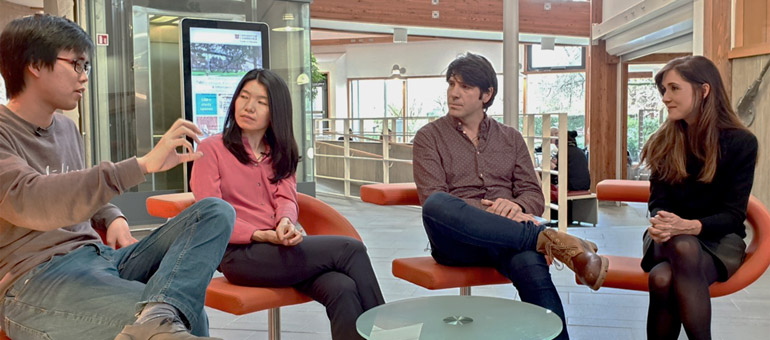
(728, 254)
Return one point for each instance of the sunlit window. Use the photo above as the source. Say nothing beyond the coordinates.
(560, 58)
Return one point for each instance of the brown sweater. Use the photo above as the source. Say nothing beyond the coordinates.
(500, 167)
(43, 187)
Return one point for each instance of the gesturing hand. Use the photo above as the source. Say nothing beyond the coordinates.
(502, 207)
(164, 155)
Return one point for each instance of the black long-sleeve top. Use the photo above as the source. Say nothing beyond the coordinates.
(721, 205)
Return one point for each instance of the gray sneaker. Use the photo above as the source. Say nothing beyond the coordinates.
(158, 329)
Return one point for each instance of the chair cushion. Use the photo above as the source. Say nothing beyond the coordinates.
(239, 300)
(425, 272)
(623, 190)
(169, 205)
(390, 194)
(625, 273)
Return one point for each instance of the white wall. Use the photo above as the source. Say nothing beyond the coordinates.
(334, 64)
(610, 8)
(424, 58)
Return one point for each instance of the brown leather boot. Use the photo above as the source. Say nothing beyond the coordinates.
(577, 254)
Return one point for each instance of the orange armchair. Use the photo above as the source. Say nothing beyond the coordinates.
(626, 272)
(424, 271)
(315, 216)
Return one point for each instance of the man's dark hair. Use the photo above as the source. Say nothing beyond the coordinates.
(477, 71)
(37, 40)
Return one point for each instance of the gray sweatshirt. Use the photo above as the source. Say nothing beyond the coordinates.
(43, 186)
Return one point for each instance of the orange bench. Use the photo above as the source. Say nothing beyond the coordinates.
(626, 272)
(316, 217)
(424, 271)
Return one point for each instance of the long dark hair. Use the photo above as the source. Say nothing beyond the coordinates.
(666, 151)
(280, 132)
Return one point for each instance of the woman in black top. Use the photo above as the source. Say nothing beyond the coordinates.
(702, 163)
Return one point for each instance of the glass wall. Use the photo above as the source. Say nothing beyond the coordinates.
(416, 100)
(136, 91)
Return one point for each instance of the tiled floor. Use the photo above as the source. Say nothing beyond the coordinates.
(391, 232)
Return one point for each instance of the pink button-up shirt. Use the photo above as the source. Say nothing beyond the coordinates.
(259, 205)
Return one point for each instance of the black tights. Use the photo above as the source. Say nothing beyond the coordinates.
(679, 289)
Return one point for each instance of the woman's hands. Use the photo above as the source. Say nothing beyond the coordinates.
(285, 234)
(666, 225)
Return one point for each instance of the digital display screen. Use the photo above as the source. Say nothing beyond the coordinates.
(216, 56)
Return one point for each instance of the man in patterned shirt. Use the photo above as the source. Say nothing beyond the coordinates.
(480, 194)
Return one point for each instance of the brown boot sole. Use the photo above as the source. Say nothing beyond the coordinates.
(602, 273)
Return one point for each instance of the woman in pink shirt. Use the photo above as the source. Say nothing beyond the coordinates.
(252, 166)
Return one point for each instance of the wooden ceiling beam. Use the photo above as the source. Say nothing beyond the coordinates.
(563, 18)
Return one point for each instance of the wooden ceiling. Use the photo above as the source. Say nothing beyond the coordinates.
(564, 17)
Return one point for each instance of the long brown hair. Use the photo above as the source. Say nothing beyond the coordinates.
(667, 149)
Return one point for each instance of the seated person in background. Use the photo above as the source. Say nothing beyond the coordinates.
(253, 165)
(58, 280)
(578, 177)
(480, 194)
(350, 135)
(702, 161)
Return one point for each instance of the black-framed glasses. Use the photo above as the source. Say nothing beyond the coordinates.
(79, 65)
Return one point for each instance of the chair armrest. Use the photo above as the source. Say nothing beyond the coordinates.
(390, 194)
(623, 190)
(169, 205)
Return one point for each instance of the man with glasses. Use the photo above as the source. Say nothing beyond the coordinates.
(58, 279)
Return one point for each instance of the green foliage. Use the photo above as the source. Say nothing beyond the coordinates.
(315, 74)
(645, 107)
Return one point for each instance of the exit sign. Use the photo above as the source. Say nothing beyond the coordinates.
(102, 39)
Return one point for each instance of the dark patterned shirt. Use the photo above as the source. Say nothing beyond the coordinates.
(446, 160)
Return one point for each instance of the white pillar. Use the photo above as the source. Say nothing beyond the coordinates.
(511, 62)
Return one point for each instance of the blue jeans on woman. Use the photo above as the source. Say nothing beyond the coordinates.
(94, 291)
(463, 235)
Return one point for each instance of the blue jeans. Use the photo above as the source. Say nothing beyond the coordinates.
(463, 235)
(94, 291)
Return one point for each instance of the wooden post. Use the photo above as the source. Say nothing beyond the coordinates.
(601, 89)
(716, 37)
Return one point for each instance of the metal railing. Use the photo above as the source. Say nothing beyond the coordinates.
(350, 152)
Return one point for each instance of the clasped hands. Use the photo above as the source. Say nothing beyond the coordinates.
(285, 234)
(508, 209)
(666, 225)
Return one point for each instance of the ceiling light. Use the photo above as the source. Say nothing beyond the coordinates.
(287, 27)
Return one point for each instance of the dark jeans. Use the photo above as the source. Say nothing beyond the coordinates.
(463, 235)
(333, 270)
(93, 291)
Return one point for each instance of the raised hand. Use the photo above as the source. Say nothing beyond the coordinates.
(164, 155)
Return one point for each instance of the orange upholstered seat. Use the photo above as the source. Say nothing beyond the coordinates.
(315, 216)
(626, 272)
(424, 271)
(390, 194)
(623, 190)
